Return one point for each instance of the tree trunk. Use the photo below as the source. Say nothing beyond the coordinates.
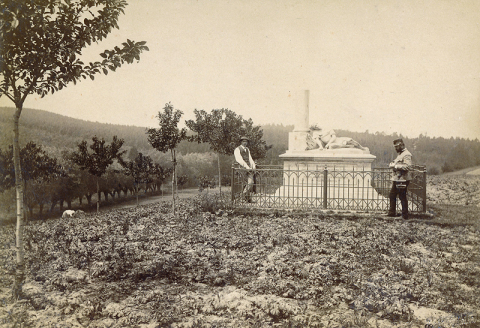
(40, 209)
(20, 257)
(61, 205)
(174, 179)
(52, 207)
(69, 204)
(98, 196)
(80, 200)
(89, 199)
(219, 174)
(26, 215)
(136, 193)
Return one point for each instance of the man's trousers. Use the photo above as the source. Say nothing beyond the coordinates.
(402, 194)
(248, 187)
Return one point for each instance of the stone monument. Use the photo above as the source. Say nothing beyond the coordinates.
(335, 154)
(338, 157)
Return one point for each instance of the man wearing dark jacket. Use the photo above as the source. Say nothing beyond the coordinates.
(401, 166)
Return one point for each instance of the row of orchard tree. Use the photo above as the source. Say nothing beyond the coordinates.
(97, 167)
(49, 181)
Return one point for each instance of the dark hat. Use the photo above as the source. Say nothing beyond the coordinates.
(397, 141)
(244, 138)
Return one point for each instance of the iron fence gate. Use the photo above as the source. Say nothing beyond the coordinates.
(276, 187)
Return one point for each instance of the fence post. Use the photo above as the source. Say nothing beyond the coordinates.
(325, 187)
(424, 186)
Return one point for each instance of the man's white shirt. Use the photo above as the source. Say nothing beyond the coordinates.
(239, 158)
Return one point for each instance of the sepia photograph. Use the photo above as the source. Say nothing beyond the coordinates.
(239, 163)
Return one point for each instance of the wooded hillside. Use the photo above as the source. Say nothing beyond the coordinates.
(57, 132)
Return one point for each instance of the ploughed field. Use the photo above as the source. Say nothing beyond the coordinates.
(454, 189)
(143, 267)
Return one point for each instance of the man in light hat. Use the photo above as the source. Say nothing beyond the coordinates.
(244, 158)
(401, 167)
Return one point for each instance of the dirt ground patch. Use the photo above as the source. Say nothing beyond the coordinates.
(474, 172)
(453, 189)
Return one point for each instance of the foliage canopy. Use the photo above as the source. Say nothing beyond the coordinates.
(222, 129)
(35, 163)
(42, 41)
(140, 168)
(100, 157)
(168, 135)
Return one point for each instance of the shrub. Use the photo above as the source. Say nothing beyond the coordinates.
(205, 182)
(213, 202)
(434, 170)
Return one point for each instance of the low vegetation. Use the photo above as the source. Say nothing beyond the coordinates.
(214, 267)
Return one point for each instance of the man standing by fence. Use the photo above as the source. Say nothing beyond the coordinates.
(243, 157)
(401, 166)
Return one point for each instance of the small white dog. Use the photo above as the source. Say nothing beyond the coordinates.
(72, 214)
(68, 214)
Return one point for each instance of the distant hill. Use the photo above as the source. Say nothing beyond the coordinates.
(57, 132)
(54, 130)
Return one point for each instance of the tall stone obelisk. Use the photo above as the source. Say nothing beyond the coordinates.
(341, 158)
(297, 139)
(303, 115)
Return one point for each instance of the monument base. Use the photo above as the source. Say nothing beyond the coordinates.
(339, 175)
(341, 159)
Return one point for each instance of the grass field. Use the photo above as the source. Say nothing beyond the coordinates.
(143, 267)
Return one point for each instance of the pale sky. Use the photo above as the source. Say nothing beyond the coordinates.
(409, 67)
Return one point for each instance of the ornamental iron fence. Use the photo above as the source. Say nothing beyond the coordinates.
(276, 187)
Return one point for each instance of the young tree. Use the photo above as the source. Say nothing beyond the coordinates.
(222, 129)
(37, 193)
(37, 168)
(86, 183)
(167, 137)
(182, 180)
(41, 42)
(98, 159)
(158, 175)
(140, 169)
(35, 164)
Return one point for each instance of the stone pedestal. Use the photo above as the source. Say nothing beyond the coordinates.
(348, 178)
(343, 159)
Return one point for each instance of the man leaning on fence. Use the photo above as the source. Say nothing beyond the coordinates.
(243, 157)
(402, 165)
